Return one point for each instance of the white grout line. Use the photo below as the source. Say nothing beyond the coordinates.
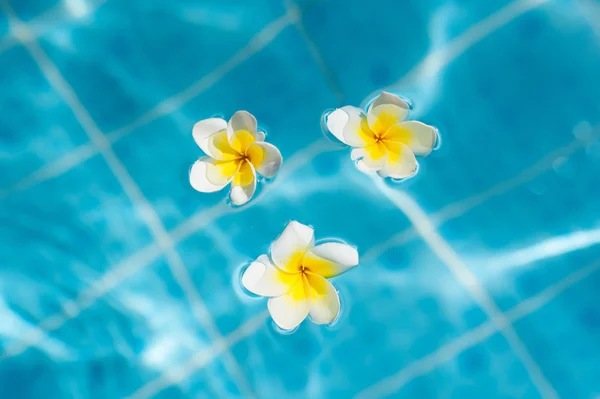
(591, 13)
(169, 105)
(394, 383)
(49, 17)
(149, 215)
(178, 374)
(85, 299)
(53, 169)
(300, 158)
(435, 61)
(150, 253)
(432, 63)
(459, 208)
(328, 74)
(196, 222)
(467, 278)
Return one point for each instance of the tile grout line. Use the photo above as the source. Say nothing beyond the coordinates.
(395, 382)
(438, 59)
(468, 279)
(452, 50)
(258, 42)
(139, 260)
(199, 361)
(101, 291)
(165, 107)
(7, 42)
(196, 222)
(149, 215)
(459, 208)
(328, 74)
(415, 369)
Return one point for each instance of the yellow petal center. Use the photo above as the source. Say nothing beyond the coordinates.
(241, 140)
(300, 271)
(245, 174)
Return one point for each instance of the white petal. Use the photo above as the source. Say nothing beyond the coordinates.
(265, 157)
(243, 185)
(371, 158)
(262, 278)
(400, 163)
(290, 309)
(289, 248)
(331, 259)
(204, 131)
(348, 125)
(387, 110)
(324, 300)
(260, 136)
(241, 120)
(390, 99)
(199, 177)
(419, 137)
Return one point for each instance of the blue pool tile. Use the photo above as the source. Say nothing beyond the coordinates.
(522, 241)
(282, 85)
(121, 341)
(160, 52)
(381, 41)
(29, 9)
(160, 164)
(487, 369)
(563, 339)
(29, 104)
(4, 28)
(287, 102)
(487, 142)
(409, 313)
(214, 266)
(56, 246)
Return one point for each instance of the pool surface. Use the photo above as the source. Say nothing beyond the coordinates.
(479, 277)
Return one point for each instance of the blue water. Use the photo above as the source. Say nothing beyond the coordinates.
(125, 283)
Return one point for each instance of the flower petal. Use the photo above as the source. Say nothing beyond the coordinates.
(419, 137)
(265, 158)
(208, 175)
(348, 124)
(330, 259)
(211, 136)
(386, 110)
(260, 136)
(263, 278)
(324, 300)
(371, 158)
(400, 163)
(290, 309)
(289, 248)
(387, 98)
(243, 185)
(241, 131)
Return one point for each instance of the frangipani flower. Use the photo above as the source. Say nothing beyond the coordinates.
(295, 276)
(383, 142)
(235, 151)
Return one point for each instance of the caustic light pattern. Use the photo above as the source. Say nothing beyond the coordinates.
(235, 152)
(295, 276)
(383, 142)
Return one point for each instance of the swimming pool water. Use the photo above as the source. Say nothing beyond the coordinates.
(479, 278)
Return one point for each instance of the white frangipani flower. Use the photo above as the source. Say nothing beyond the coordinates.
(295, 275)
(235, 152)
(383, 142)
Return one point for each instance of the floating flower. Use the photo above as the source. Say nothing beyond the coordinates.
(383, 142)
(295, 277)
(235, 151)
